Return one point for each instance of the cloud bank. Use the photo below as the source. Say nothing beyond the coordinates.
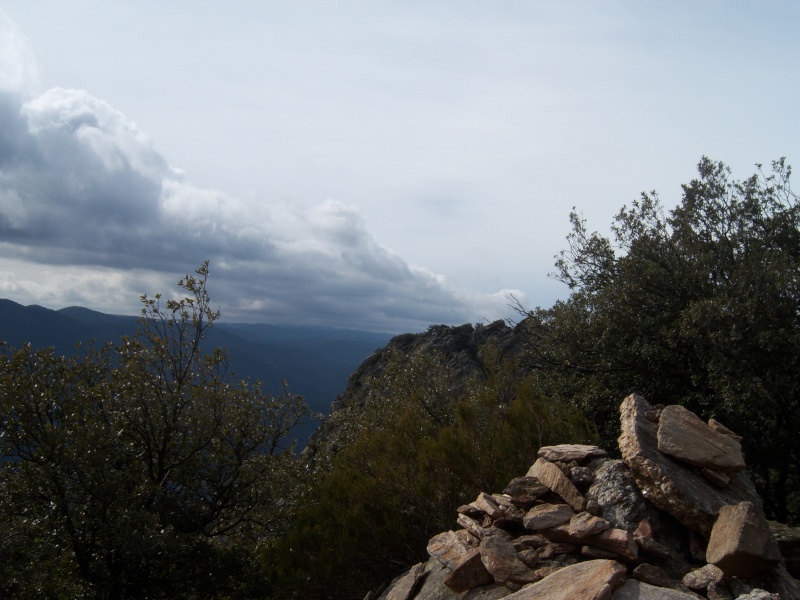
(91, 213)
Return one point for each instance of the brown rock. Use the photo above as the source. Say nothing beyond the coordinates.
(500, 559)
(673, 562)
(682, 434)
(431, 586)
(473, 512)
(644, 529)
(701, 578)
(741, 543)
(668, 484)
(471, 525)
(468, 574)
(551, 476)
(488, 505)
(407, 585)
(448, 548)
(718, 478)
(556, 549)
(529, 556)
(569, 452)
(788, 539)
(525, 491)
(619, 541)
(719, 427)
(544, 516)
(584, 524)
(592, 552)
(638, 590)
(654, 575)
(537, 540)
(590, 580)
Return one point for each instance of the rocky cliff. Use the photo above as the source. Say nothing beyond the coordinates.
(676, 518)
(459, 347)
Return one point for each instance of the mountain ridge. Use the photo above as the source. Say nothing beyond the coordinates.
(315, 361)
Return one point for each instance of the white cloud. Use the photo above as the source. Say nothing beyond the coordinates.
(19, 71)
(91, 213)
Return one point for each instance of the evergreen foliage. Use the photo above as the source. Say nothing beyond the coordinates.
(698, 306)
(140, 470)
(431, 444)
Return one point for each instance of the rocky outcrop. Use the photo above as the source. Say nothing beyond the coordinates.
(580, 525)
(460, 347)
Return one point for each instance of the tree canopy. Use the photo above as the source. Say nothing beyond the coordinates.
(140, 470)
(699, 305)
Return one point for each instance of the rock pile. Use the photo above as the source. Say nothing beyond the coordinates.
(678, 518)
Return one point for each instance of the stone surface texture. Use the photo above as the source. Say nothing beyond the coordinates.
(670, 485)
(468, 574)
(544, 516)
(741, 543)
(590, 580)
(682, 434)
(448, 548)
(554, 478)
(406, 587)
(639, 590)
(569, 452)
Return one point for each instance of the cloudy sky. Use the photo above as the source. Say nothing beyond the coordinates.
(369, 164)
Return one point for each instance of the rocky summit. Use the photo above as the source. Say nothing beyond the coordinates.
(677, 518)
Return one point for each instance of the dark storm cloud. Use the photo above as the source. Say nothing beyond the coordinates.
(81, 185)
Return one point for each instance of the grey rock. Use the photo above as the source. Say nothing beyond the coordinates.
(614, 491)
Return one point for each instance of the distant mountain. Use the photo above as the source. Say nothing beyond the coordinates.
(315, 361)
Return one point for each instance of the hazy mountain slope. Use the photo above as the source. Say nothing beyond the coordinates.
(314, 361)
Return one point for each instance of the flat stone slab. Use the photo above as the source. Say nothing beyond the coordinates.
(669, 484)
(682, 434)
(545, 516)
(619, 541)
(569, 452)
(589, 580)
(525, 491)
(551, 476)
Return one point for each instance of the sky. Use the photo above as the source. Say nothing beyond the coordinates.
(362, 164)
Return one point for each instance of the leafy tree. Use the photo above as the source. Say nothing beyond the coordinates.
(698, 306)
(140, 470)
(432, 442)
